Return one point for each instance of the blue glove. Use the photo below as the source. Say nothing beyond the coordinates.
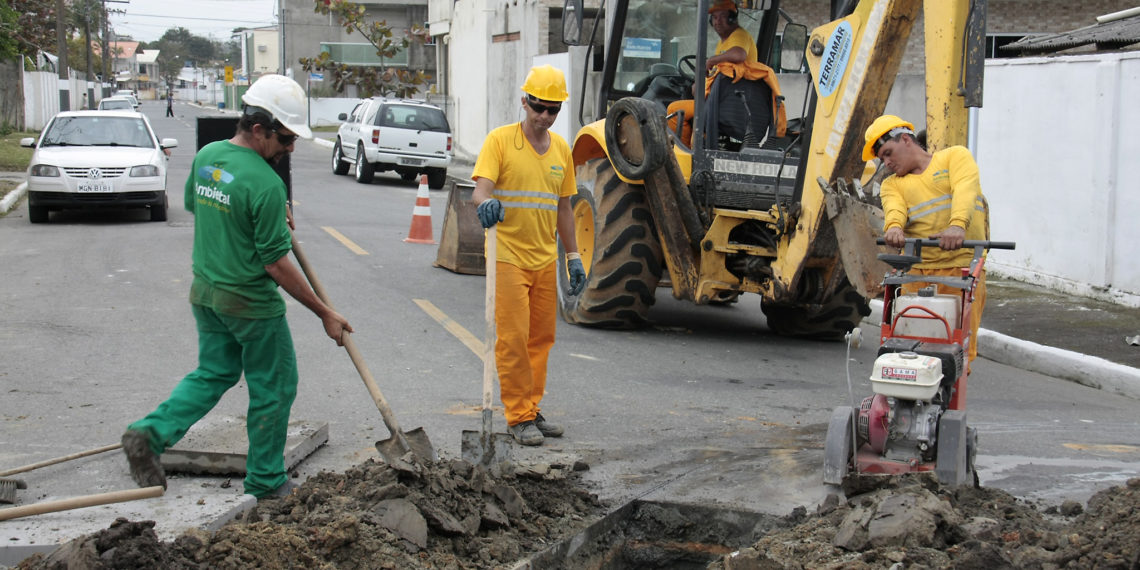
(490, 212)
(577, 275)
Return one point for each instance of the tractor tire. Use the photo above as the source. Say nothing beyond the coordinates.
(620, 252)
(830, 320)
(636, 156)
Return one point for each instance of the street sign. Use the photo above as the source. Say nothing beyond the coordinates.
(316, 77)
(229, 74)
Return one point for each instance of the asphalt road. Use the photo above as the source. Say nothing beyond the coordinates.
(706, 406)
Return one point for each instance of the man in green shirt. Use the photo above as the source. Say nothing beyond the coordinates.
(241, 246)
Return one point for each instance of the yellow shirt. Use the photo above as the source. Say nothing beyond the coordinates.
(947, 193)
(738, 38)
(529, 186)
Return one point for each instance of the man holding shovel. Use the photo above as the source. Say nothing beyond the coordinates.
(241, 246)
(524, 178)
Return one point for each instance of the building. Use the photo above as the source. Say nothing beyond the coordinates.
(260, 52)
(308, 33)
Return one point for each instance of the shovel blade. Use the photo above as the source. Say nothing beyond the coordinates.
(392, 449)
(476, 449)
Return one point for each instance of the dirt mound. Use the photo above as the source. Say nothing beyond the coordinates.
(911, 522)
(443, 515)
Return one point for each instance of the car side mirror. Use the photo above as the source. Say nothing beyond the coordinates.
(572, 22)
(169, 143)
(342, 117)
(792, 47)
(28, 141)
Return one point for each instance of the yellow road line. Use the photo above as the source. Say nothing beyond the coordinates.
(347, 242)
(471, 341)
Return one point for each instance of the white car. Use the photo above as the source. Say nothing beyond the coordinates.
(116, 103)
(128, 95)
(408, 136)
(97, 159)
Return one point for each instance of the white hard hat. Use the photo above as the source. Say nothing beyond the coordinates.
(284, 99)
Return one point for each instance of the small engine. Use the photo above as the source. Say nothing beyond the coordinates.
(900, 422)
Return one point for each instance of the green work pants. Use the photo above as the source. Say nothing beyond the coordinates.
(227, 346)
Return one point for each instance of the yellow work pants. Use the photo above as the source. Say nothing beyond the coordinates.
(976, 309)
(525, 310)
(689, 107)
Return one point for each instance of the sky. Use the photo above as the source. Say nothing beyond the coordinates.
(147, 20)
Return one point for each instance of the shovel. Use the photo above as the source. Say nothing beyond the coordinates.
(484, 447)
(400, 442)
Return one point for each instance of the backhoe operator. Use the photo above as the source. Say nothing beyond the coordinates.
(931, 196)
(735, 46)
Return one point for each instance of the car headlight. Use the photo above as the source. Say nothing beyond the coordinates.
(44, 170)
(144, 170)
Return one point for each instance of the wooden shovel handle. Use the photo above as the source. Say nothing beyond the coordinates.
(491, 254)
(353, 353)
(60, 459)
(80, 502)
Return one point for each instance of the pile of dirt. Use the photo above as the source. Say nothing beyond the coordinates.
(448, 514)
(912, 522)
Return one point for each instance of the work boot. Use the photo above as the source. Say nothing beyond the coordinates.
(145, 467)
(548, 429)
(284, 490)
(526, 433)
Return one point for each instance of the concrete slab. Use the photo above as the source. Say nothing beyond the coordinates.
(214, 446)
(217, 446)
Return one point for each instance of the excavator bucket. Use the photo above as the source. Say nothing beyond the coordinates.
(461, 242)
(857, 224)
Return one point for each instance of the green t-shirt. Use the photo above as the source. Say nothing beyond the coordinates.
(238, 203)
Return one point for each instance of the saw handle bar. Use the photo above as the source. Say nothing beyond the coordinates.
(970, 243)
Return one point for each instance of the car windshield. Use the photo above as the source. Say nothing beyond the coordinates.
(114, 105)
(98, 131)
(415, 117)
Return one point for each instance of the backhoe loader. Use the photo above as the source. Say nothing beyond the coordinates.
(747, 206)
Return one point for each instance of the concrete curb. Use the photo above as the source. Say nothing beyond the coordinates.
(11, 198)
(1091, 371)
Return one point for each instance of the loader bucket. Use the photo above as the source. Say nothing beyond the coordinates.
(856, 224)
(461, 242)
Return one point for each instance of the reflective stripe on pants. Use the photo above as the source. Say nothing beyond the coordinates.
(525, 312)
(227, 346)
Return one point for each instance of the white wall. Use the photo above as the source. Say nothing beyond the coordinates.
(472, 75)
(1057, 153)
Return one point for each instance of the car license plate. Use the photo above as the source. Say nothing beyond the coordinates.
(411, 161)
(88, 186)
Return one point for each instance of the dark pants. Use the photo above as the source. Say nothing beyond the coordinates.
(169, 110)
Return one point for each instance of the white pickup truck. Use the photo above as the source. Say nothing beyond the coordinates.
(407, 136)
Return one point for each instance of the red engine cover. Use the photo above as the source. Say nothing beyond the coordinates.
(874, 413)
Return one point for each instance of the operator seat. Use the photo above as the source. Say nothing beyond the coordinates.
(732, 107)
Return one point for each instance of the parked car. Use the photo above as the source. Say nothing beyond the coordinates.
(97, 159)
(407, 136)
(128, 95)
(116, 103)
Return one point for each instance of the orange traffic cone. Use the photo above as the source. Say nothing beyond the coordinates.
(420, 232)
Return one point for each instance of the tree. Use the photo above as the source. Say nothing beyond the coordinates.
(9, 25)
(198, 49)
(370, 80)
(171, 58)
(35, 26)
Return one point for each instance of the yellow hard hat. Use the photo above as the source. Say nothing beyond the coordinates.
(719, 5)
(884, 128)
(546, 82)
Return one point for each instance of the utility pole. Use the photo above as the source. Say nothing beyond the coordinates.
(61, 40)
(87, 43)
(281, 35)
(106, 50)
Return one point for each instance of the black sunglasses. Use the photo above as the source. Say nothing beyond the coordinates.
(540, 108)
(285, 140)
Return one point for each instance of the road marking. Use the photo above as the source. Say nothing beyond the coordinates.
(1102, 447)
(347, 242)
(471, 341)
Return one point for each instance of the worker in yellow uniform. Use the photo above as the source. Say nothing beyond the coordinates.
(735, 46)
(931, 196)
(524, 178)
